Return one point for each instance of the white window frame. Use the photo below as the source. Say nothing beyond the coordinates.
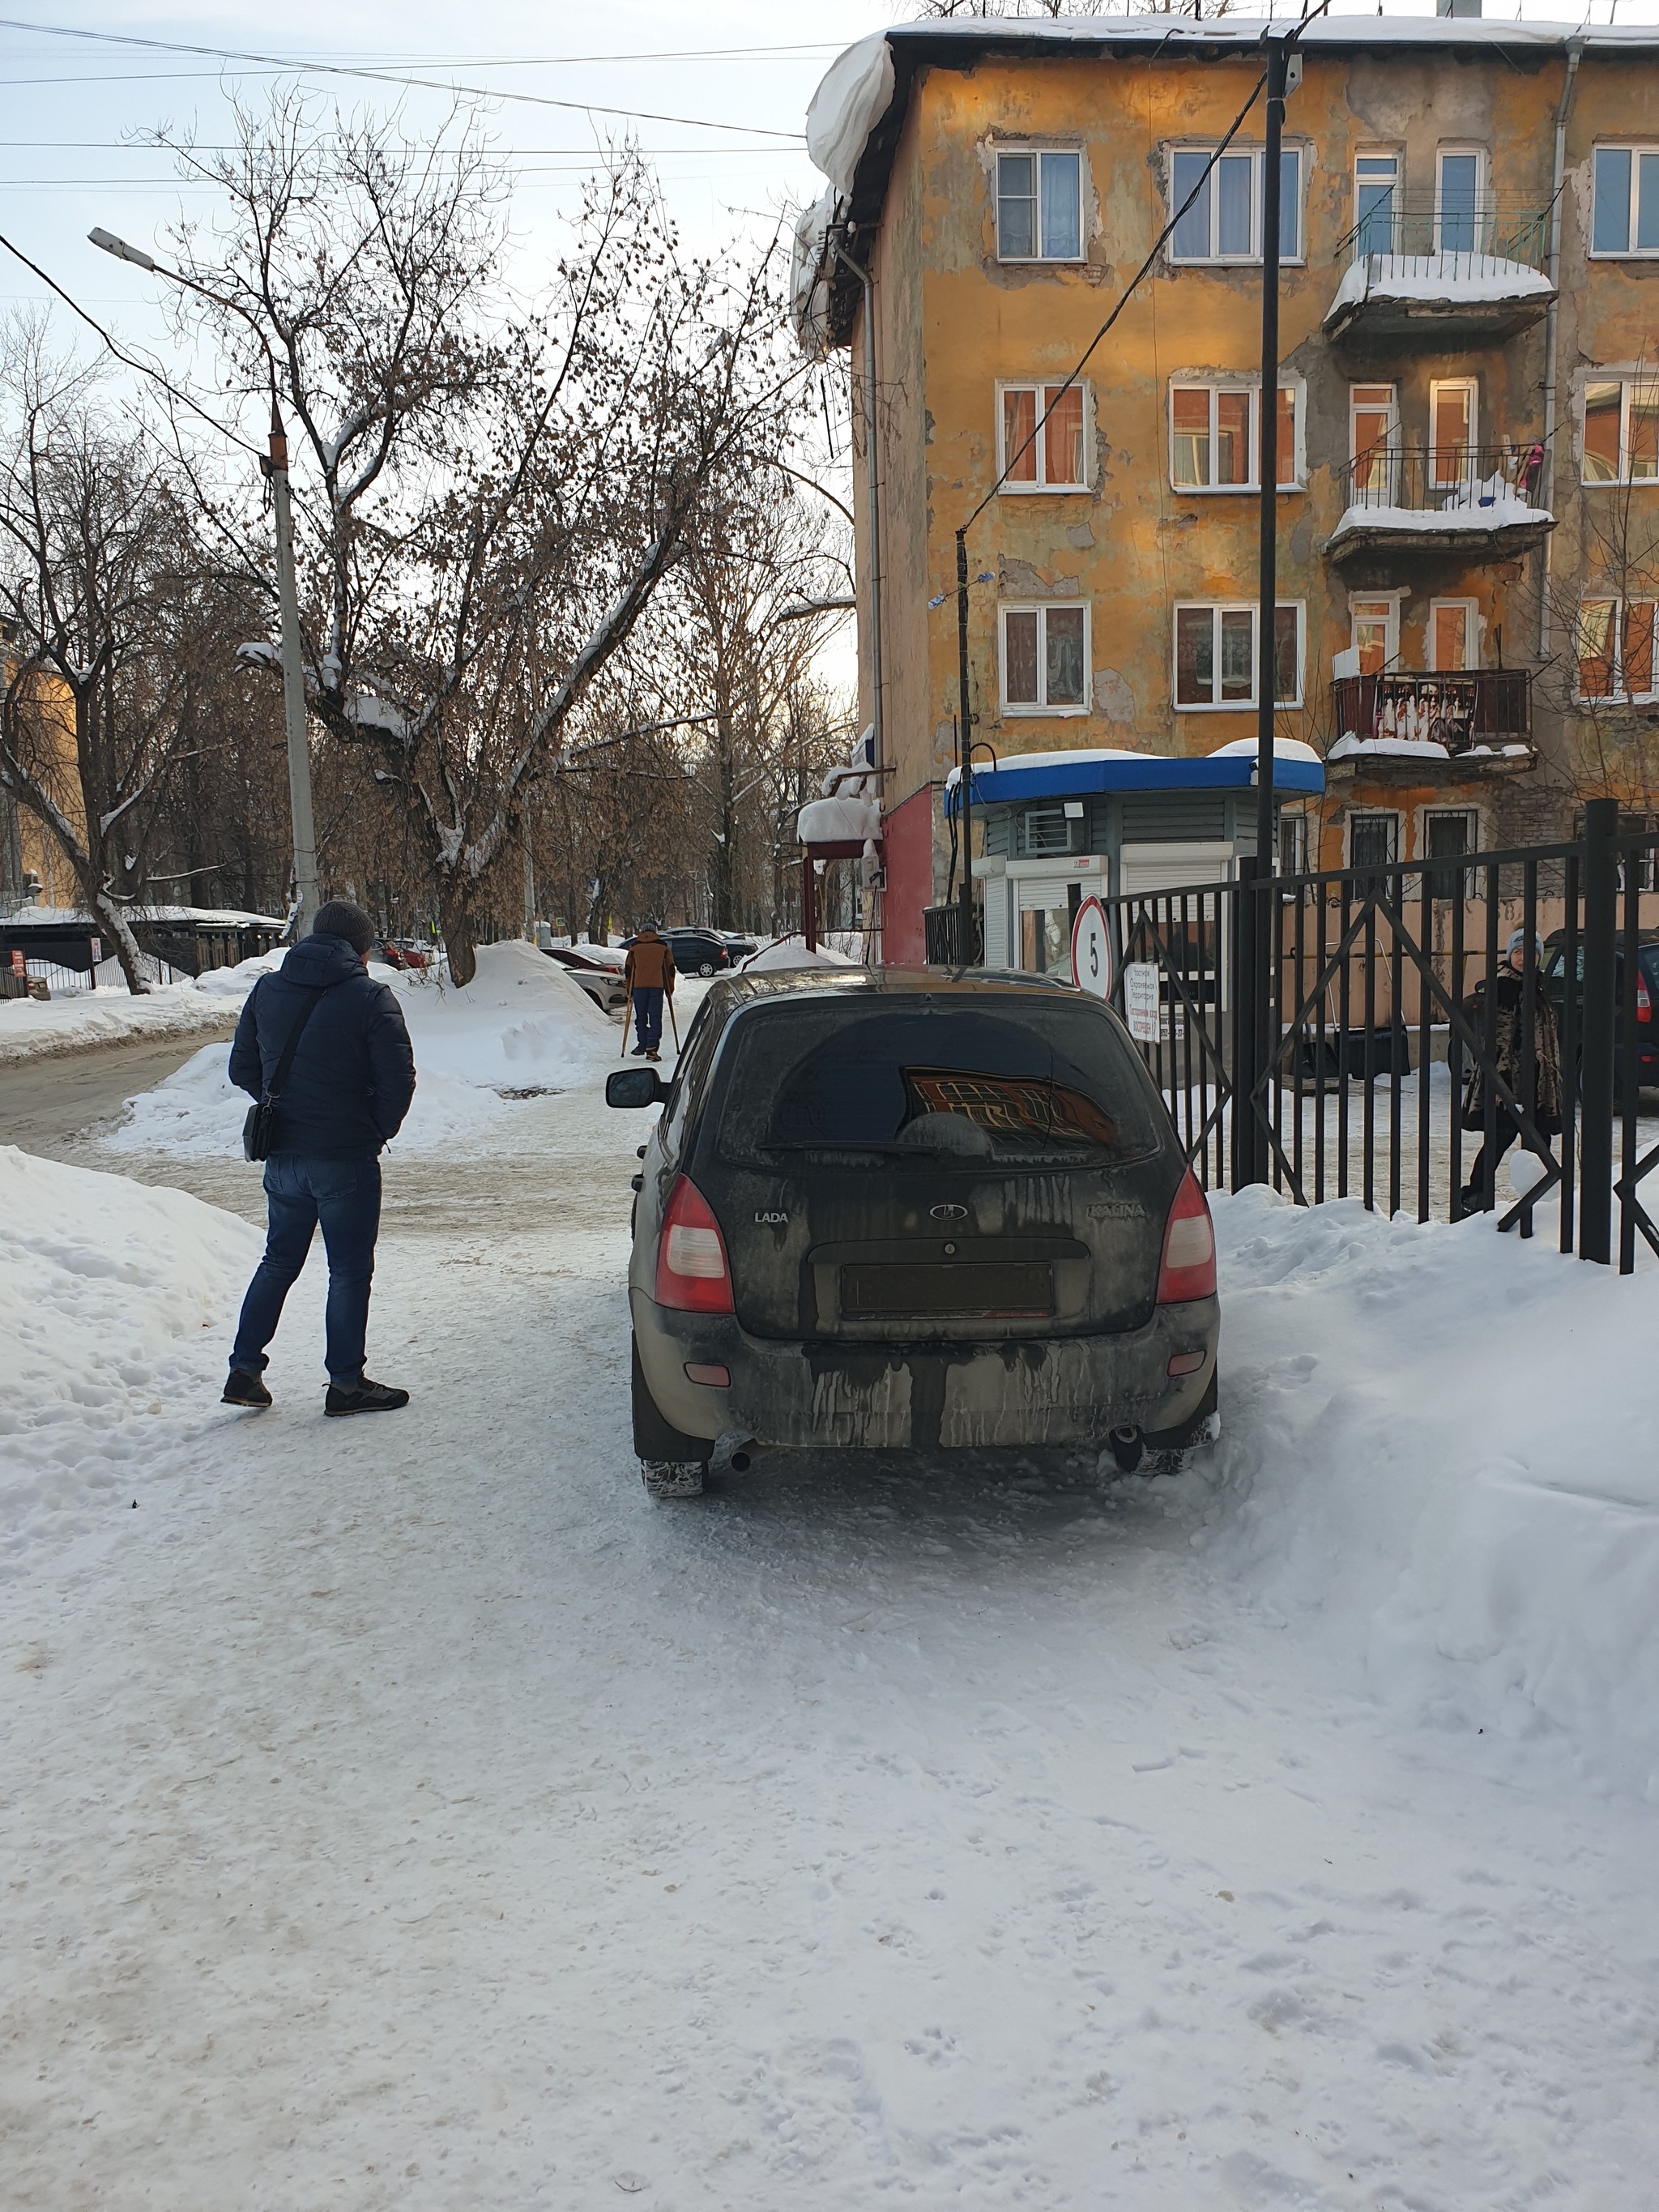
(1630, 250)
(1356, 408)
(1037, 154)
(1216, 609)
(1299, 823)
(1436, 385)
(1395, 154)
(1041, 608)
(1470, 610)
(1480, 214)
(1627, 384)
(1041, 483)
(1619, 696)
(1391, 636)
(1251, 384)
(1257, 155)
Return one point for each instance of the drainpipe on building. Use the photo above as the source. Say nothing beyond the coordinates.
(868, 284)
(1575, 50)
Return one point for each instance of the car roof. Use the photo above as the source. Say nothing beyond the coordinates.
(747, 988)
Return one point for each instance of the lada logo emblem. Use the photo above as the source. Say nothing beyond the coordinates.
(949, 1213)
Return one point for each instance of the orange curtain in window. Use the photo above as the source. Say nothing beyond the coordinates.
(1018, 422)
(1062, 435)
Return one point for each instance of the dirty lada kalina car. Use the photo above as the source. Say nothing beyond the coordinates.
(899, 1208)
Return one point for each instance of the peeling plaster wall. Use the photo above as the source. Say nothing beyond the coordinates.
(955, 321)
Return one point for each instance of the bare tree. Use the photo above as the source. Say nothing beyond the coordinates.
(491, 495)
(94, 548)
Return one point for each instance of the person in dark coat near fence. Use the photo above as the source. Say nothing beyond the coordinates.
(346, 1094)
(1539, 1089)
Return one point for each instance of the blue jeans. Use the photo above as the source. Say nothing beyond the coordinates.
(344, 1195)
(647, 1019)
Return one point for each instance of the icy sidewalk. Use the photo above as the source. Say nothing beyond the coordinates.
(405, 1814)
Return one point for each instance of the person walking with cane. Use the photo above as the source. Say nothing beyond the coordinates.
(649, 976)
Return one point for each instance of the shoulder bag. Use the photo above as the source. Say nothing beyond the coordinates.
(261, 1118)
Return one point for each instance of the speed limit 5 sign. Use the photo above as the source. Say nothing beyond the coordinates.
(1091, 950)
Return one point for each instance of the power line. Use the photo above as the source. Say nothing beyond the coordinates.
(390, 77)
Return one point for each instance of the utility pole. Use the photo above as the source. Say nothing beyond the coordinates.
(293, 683)
(1258, 908)
(965, 764)
(274, 467)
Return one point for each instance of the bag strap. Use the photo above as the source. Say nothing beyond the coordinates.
(273, 1088)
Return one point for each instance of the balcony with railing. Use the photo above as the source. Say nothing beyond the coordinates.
(1457, 270)
(1473, 502)
(1427, 726)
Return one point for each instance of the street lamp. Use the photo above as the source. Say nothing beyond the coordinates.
(275, 468)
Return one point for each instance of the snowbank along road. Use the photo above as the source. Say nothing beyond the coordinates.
(408, 1814)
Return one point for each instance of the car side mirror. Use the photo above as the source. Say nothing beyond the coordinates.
(635, 1086)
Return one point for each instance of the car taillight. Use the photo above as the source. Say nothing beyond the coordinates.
(1188, 1268)
(693, 1275)
(1644, 1003)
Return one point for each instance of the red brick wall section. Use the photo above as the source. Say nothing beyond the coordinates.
(907, 849)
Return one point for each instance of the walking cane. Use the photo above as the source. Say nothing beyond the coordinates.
(674, 1023)
(627, 1008)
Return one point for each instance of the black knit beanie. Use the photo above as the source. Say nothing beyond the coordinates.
(339, 918)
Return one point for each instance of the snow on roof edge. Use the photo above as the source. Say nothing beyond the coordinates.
(857, 90)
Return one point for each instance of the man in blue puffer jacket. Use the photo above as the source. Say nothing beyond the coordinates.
(346, 1094)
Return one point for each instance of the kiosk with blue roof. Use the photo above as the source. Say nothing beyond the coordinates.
(1055, 827)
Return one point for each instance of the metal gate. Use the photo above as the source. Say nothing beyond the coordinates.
(1394, 1070)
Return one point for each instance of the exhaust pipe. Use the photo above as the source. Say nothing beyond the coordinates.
(1127, 1446)
(733, 1451)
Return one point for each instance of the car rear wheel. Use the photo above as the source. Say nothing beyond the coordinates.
(705, 967)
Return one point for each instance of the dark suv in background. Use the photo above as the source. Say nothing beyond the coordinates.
(899, 1208)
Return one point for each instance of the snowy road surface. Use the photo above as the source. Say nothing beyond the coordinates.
(408, 1814)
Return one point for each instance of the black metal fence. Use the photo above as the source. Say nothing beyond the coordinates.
(1405, 1052)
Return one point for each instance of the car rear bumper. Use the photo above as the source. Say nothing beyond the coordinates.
(1053, 1390)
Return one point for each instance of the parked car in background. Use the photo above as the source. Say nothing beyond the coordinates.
(1554, 970)
(403, 952)
(602, 982)
(740, 947)
(885, 1208)
(697, 951)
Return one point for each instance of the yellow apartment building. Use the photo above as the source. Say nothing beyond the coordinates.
(1465, 429)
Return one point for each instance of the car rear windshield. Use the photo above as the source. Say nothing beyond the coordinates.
(1041, 1083)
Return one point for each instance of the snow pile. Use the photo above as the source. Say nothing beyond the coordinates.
(522, 1027)
(853, 94)
(785, 952)
(1475, 507)
(1432, 279)
(31, 1029)
(1437, 1458)
(114, 1299)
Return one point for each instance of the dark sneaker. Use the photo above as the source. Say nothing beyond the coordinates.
(652, 1053)
(363, 1397)
(242, 1388)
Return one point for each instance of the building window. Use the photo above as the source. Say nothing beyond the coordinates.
(1046, 458)
(1375, 178)
(1045, 660)
(1621, 430)
(1448, 835)
(1215, 656)
(1454, 629)
(1040, 207)
(1460, 209)
(1293, 843)
(1373, 439)
(1616, 648)
(1223, 223)
(1453, 418)
(1626, 215)
(1375, 632)
(1373, 842)
(1214, 436)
